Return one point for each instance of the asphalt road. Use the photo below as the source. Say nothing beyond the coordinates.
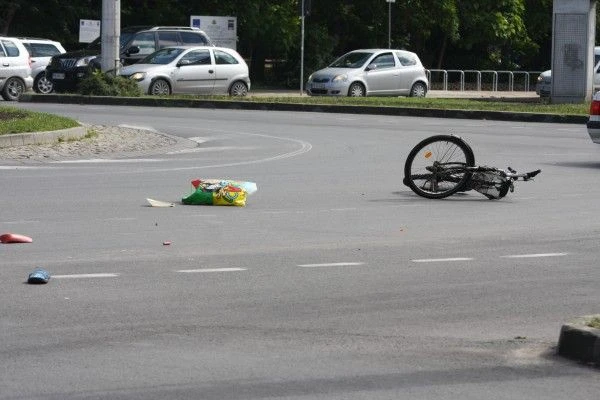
(334, 282)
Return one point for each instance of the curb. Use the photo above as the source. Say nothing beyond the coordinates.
(249, 105)
(578, 341)
(20, 139)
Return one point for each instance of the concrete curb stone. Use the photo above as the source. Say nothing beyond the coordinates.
(578, 341)
(19, 139)
(249, 105)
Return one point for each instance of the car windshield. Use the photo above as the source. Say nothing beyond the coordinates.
(124, 39)
(351, 60)
(162, 56)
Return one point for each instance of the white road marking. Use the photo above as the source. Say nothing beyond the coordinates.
(31, 221)
(535, 255)
(191, 271)
(78, 276)
(430, 260)
(7, 167)
(340, 264)
(141, 127)
(107, 160)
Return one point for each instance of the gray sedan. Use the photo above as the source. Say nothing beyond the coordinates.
(371, 72)
(192, 70)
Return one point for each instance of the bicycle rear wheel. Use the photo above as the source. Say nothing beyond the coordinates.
(436, 167)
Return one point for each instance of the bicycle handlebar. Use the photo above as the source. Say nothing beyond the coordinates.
(526, 176)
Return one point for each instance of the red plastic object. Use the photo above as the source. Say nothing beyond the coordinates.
(15, 238)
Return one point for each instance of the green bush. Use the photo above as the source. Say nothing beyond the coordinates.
(98, 83)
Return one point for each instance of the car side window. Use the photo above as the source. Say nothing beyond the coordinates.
(193, 38)
(222, 57)
(145, 42)
(166, 39)
(385, 60)
(42, 49)
(11, 49)
(406, 59)
(197, 57)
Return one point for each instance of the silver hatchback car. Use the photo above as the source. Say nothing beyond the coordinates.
(202, 70)
(371, 72)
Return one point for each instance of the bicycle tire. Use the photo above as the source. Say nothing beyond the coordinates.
(435, 168)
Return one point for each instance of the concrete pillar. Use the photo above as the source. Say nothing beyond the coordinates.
(573, 33)
(111, 31)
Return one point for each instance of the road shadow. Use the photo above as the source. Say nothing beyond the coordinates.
(577, 164)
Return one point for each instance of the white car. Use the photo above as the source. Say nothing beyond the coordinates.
(200, 70)
(593, 124)
(371, 72)
(15, 69)
(41, 51)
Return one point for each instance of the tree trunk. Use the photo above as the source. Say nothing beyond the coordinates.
(442, 53)
(7, 16)
(257, 64)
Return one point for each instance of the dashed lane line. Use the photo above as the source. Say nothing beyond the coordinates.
(432, 260)
(339, 264)
(191, 271)
(82, 276)
(535, 255)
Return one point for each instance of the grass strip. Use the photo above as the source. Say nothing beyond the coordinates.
(485, 104)
(14, 120)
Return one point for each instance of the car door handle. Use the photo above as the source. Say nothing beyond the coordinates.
(211, 71)
(5, 64)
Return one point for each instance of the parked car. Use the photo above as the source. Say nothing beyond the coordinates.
(15, 69)
(593, 124)
(193, 70)
(371, 72)
(543, 86)
(40, 51)
(66, 70)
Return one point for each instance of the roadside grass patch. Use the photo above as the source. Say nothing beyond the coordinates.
(594, 323)
(489, 104)
(14, 120)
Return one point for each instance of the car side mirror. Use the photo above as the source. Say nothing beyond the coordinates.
(132, 50)
(184, 62)
(371, 67)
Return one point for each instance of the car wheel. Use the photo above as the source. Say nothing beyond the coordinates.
(238, 88)
(357, 90)
(13, 88)
(160, 87)
(418, 90)
(42, 85)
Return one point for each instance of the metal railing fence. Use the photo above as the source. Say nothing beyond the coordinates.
(455, 79)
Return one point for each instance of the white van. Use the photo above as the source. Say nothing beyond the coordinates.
(15, 69)
(544, 80)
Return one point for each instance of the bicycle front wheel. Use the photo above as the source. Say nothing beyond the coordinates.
(437, 166)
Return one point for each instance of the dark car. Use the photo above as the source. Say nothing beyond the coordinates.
(66, 70)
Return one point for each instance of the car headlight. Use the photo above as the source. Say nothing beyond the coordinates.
(85, 61)
(138, 76)
(340, 78)
(540, 78)
(310, 78)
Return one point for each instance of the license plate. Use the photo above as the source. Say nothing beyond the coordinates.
(58, 75)
(318, 86)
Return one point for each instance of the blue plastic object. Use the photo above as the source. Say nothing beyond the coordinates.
(38, 276)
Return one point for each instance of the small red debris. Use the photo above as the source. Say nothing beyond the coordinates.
(167, 243)
(15, 238)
